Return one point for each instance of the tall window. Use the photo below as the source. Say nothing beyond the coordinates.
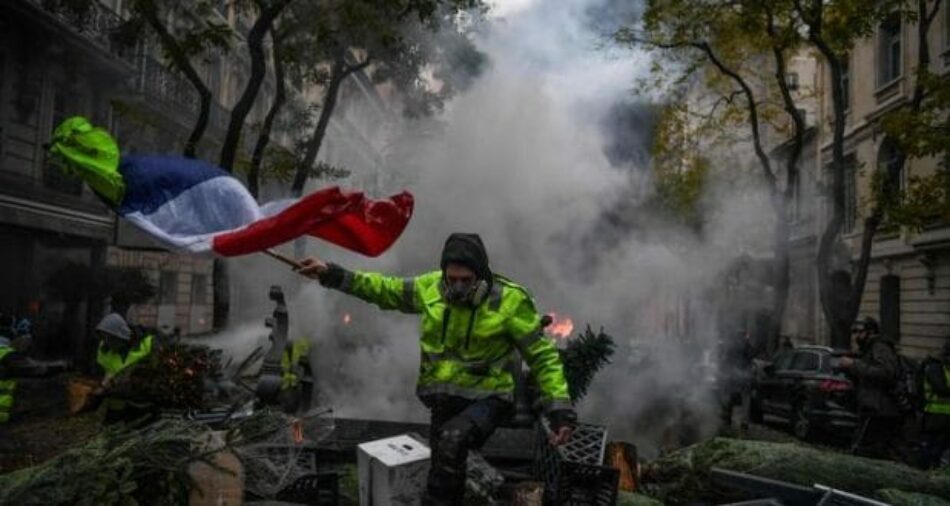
(890, 306)
(850, 194)
(792, 80)
(199, 289)
(889, 49)
(890, 164)
(168, 288)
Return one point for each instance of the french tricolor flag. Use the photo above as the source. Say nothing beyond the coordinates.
(191, 205)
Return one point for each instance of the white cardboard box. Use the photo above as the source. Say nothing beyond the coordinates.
(392, 471)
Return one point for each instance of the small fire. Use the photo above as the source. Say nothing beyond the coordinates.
(561, 326)
(347, 318)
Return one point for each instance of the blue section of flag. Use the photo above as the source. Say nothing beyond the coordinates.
(151, 181)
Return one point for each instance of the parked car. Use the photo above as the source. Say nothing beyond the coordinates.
(802, 387)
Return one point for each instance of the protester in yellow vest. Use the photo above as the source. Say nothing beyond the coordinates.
(117, 356)
(296, 378)
(7, 385)
(936, 420)
(474, 325)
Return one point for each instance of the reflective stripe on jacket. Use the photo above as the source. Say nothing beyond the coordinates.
(113, 363)
(934, 403)
(470, 352)
(7, 387)
(290, 362)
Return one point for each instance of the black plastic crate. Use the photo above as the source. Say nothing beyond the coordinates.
(319, 489)
(574, 474)
(305, 457)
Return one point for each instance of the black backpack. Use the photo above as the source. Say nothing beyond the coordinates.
(908, 388)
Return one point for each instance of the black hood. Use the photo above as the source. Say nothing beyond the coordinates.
(467, 250)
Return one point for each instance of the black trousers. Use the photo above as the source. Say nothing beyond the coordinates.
(458, 425)
(878, 437)
(935, 436)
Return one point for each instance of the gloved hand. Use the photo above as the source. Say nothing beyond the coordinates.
(329, 275)
(563, 422)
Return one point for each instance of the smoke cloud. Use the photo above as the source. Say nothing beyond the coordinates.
(533, 157)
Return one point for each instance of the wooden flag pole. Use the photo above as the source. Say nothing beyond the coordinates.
(282, 258)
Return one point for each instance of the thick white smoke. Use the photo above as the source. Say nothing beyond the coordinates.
(520, 159)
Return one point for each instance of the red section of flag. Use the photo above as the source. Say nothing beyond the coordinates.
(347, 219)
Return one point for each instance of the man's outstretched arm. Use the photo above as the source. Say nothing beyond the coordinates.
(542, 356)
(387, 292)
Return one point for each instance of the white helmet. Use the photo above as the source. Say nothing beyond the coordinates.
(114, 325)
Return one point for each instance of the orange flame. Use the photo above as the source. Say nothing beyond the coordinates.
(561, 326)
(347, 319)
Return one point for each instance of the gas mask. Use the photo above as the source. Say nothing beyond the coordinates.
(462, 293)
(458, 292)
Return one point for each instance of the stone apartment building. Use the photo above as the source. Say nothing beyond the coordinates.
(54, 64)
(908, 284)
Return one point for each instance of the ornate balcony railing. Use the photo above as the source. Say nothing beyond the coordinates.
(162, 86)
(91, 20)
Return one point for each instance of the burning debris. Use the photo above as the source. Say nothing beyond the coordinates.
(561, 326)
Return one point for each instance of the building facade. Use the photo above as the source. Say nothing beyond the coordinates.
(56, 236)
(908, 283)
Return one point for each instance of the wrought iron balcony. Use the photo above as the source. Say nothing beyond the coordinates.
(169, 90)
(90, 20)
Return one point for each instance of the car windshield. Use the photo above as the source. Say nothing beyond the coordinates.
(783, 360)
(805, 361)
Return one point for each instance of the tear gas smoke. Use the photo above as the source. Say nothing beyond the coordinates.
(524, 158)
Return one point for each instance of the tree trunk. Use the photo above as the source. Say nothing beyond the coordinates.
(781, 278)
(835, 313)
(150, 13)
(337, 75)
(255, 46)
(339, 71)
(263, 139)
(781, 275)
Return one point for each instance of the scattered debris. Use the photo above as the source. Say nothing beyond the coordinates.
(120, 465)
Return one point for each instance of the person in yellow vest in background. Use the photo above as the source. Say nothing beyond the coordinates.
(296, 388)
(7, 384)
(936, 421)
(117, 356)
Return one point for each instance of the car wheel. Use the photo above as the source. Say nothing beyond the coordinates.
(755, 409)
(802, 426)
